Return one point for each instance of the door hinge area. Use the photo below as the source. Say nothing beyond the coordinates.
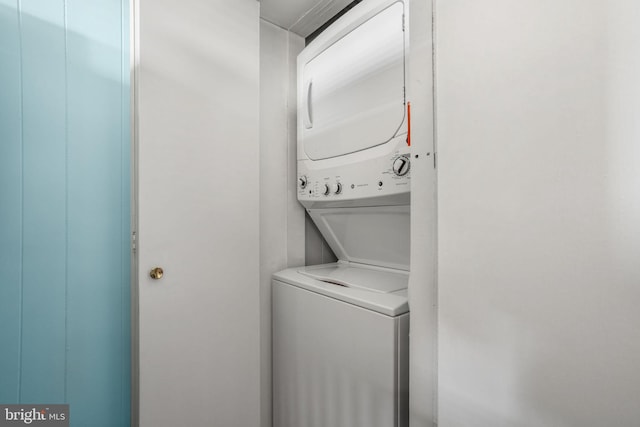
(133, 242)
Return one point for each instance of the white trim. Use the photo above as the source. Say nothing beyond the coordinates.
(134, 61)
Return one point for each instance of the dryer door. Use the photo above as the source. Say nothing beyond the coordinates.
(352, 92)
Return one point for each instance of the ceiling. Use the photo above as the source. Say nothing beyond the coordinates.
(302, 17)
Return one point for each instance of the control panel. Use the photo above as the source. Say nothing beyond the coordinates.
(387, 175)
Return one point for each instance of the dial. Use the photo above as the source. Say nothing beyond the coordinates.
(336, 188)
(302, 181)
(327, 190)
(401, 165)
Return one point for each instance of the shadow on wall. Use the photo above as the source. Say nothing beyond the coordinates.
(317, 251)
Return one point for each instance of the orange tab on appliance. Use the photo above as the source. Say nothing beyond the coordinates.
(409, 124)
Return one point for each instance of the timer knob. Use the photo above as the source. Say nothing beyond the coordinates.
(336, 188)
(401, 165)
(302, 181)
(327, 190)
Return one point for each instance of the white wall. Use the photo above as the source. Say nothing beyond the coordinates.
(282, 223)
(539, 212)
(422, 282)
(317, 250)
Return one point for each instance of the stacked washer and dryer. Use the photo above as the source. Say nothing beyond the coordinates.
(341, 330)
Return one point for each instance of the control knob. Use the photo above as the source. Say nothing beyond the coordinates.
(302, 181)
(401, 165)
(327, 190)
(336, 188)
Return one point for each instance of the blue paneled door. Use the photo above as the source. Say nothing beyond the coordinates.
(64, 207)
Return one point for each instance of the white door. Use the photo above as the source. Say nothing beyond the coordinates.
(197, 151)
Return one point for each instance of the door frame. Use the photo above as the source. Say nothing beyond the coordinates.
(134, 61)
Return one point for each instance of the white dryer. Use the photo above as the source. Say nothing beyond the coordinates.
(341, 330)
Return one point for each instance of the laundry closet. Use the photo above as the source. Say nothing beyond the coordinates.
(229, 138)
(351, 148)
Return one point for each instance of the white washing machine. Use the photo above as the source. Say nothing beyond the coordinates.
(340, 347)
(341, 331)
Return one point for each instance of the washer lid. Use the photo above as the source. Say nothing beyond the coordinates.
(363, 288)
(377, 235)
(373, 280)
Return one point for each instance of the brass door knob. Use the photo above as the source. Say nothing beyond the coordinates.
(156, 273)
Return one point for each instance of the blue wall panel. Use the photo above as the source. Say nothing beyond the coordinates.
(64, 207)
(10, 201)
(95, 227)
(125, 214)
(44, 215)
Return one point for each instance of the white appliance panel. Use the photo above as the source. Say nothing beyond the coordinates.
(352, 91)
(365, 178)
(335, 364)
